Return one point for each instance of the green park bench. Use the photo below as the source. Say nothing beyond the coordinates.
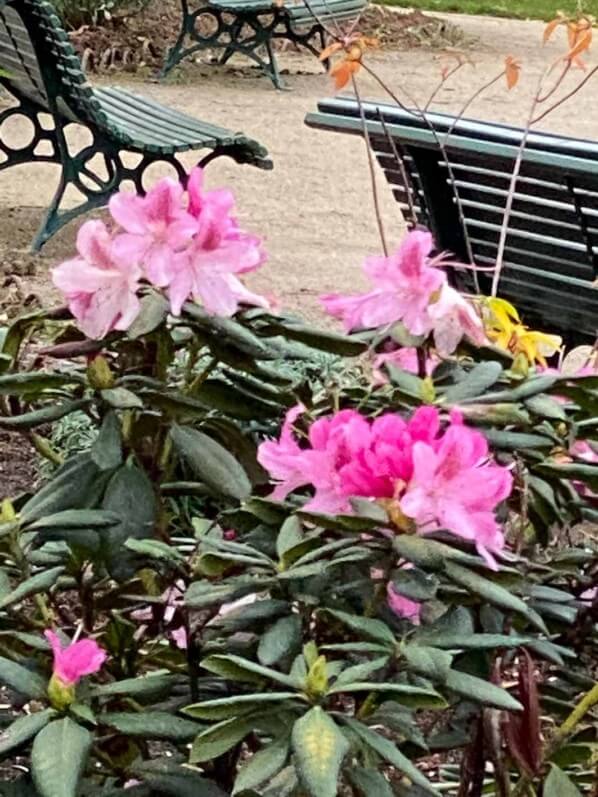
(248, 26)
(43, 73)
(551, 255)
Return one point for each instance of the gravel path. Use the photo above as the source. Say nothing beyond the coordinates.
(315, 208)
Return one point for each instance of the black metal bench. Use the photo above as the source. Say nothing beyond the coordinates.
(43, 73)
(245, 26)
(551, 253)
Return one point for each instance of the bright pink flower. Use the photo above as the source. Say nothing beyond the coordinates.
(219, 250)
(157, 228)
(100, 288)
(405, 283)
(78, 659)
(454, 487)
(453, 319)
(402, 606)
(406, 359)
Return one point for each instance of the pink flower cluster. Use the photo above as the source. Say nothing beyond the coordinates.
(439, 479)
(185, 242)
(410, 287)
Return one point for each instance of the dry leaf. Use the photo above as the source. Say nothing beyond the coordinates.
(550, 28)
(512, 71)
(330, 50)
(342, 72)
(583, 39)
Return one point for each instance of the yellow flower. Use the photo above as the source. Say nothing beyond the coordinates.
(504, 328)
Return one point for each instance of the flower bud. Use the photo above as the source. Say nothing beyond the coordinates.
(61, 694)
(99, 375)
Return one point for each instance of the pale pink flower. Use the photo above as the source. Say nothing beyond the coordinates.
(101, 290)
(405, 283)
(219, 250)
(454, 318)
(455, 487)
(402, 606)
(581, 449)
(157, 227)
(73, 662)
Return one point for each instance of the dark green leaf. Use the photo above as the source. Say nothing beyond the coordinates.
(389, 752)
(120, 398)
(407, 695)
(106, 452)
(558, 784)
(40, 582)
(145, 686)
(75, 519)
(262, 766)
(516, 441)
(235, 668)
(218, 739)
(20, 384)
(546, 407)
(281, 640)
(49, 414)
(23, 729)
(211, 462)
(152, 725)
(427, 661)
(153, 311)
(475, 383)
(481, 691)
(59, 757)
(225, 707)
(431, 553)
(71, 488)
(369, 783)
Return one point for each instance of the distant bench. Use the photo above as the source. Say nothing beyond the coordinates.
(44, 74)
(551, 255)
(245, 26)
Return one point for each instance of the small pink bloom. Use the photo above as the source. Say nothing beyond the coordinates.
(453, 319)
(405, 283)
(101, 290)
(157, 227)
(402, 606)
(454, 487)
(78, 659)
(219, 250)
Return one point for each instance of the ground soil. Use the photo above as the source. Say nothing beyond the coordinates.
(315, 208)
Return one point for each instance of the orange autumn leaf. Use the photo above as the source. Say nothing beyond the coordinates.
(330, 50)
(512, 71)
(583, 40)
(342, 72)
(551, 27)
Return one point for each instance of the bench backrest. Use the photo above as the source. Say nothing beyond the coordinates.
(42, 65)
(551, 257)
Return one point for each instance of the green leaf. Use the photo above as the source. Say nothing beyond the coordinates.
(431, 553)
(318, 339)
(481, 691)
(516, 441)
(59, 757)
(153, 311)
(202, 594)
(365, 626)
(475, 383)
(153, 685)
(408, 383)
(407, 695)
(71, 488)
(289, 536)
(20, 384)
(218, 739)
(155, 549)
(130, 495)
(212, 463)
(106, 451)
(220, 395)
(546, 407)
(280, 640)
(239, 705)
(152, 725)
(415, 584)
(493, 593)
(23, 729)
(262, 766)
(558, 784)
(40, 582)
(120, 398)
(319, 748)
(49, 414)
(75, 519)
(389, 752)
(236, 668)
(527, 389)
(474, 641)
(427, 661)
(369, 783)
(360, 672)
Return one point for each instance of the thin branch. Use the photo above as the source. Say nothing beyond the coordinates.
(566, 97)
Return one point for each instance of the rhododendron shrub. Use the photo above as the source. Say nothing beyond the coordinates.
(286, 561)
